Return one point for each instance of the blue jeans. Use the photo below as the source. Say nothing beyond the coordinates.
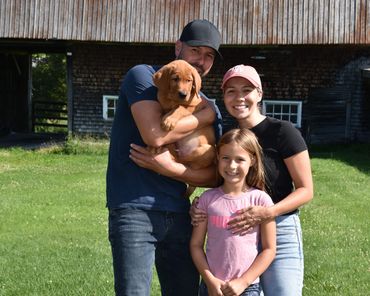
(138, 239)
(284, 277)
(252, 290)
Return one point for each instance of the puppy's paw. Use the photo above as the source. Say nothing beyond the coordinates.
(168, 123)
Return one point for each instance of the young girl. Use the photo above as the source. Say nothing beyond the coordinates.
(232, 264)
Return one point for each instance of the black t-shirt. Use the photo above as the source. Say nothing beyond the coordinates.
(279, 140)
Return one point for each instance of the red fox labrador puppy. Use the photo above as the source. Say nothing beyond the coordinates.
(178, 86)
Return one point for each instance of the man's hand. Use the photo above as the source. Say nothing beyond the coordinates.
(196, 214)
(160, 161)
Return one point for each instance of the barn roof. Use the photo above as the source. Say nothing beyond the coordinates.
(252, 22)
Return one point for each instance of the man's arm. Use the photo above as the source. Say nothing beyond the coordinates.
(147, 115)
(164, 164)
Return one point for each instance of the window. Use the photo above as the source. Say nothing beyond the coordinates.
(284, 110)
(109, 107)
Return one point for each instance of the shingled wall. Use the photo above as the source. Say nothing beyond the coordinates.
(287, 73)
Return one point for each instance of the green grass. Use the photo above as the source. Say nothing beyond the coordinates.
(336, 223)
(53, 222)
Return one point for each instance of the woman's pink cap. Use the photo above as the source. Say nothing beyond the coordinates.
(243, 71)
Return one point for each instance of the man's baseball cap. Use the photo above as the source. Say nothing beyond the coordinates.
(201, 33)
(243, 71)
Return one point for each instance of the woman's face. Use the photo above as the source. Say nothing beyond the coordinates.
(241, 98)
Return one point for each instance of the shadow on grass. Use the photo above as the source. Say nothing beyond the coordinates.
(356, 155)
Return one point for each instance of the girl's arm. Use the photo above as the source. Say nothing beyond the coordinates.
(299, 168)
(259, 265)
(200, 260)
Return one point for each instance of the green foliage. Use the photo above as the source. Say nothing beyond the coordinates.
(82, 145)
(49, 87)
(53, 222)
(49, 77)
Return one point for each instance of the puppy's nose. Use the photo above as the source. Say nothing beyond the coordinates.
(182, 94)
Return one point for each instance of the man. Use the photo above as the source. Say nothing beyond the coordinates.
(148, 213)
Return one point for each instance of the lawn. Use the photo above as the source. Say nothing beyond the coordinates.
(53, 222)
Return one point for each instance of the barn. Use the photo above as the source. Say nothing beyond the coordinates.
(313, 57)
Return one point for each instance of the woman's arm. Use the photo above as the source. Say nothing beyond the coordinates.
(259, 265)
(164, 164)
(299, 168)
(148, 115)
(200, 260)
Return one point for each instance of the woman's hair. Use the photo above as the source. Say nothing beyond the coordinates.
(248, 141)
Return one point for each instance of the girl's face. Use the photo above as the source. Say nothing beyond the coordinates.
(241, 98)
(233, 165)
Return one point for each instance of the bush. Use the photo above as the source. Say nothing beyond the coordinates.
(79, 145)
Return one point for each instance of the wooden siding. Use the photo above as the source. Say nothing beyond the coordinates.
(160, 21)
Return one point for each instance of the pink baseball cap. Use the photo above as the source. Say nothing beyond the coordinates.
(243, 71)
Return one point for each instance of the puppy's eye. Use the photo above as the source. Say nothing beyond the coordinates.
(175, 79)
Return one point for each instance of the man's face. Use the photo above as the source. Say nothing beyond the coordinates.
(201, 57)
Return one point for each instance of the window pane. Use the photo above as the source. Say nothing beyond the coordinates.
(277, 108)
(293, 118)
(110, 103)
(110, 113)
(285, 117)
(294, 109)
(269, 108)
(285, 108)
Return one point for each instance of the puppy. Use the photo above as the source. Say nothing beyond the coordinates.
(178, 86)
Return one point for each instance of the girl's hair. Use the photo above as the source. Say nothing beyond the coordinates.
(248, 141)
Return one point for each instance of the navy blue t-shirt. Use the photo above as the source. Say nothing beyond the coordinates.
(128, 185)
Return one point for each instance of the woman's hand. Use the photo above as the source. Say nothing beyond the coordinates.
(196, 214)
(249, 217)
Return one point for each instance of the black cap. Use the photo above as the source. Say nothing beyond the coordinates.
(201, 33)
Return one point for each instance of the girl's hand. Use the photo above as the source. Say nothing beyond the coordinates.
(196, 214)
(214, 287)
(234, 287)
(247, 218)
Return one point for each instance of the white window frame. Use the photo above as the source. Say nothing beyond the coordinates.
(279, 115)
(106, 108)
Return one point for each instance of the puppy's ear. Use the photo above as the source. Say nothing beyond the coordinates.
(197, 81)
(161, 78)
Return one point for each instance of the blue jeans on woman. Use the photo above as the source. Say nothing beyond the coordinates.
(252, 290)
(284, 277)
(138, 239)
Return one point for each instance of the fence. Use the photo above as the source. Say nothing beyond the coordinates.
(49, 116)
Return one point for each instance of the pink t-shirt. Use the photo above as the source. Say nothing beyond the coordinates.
(229, 255)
